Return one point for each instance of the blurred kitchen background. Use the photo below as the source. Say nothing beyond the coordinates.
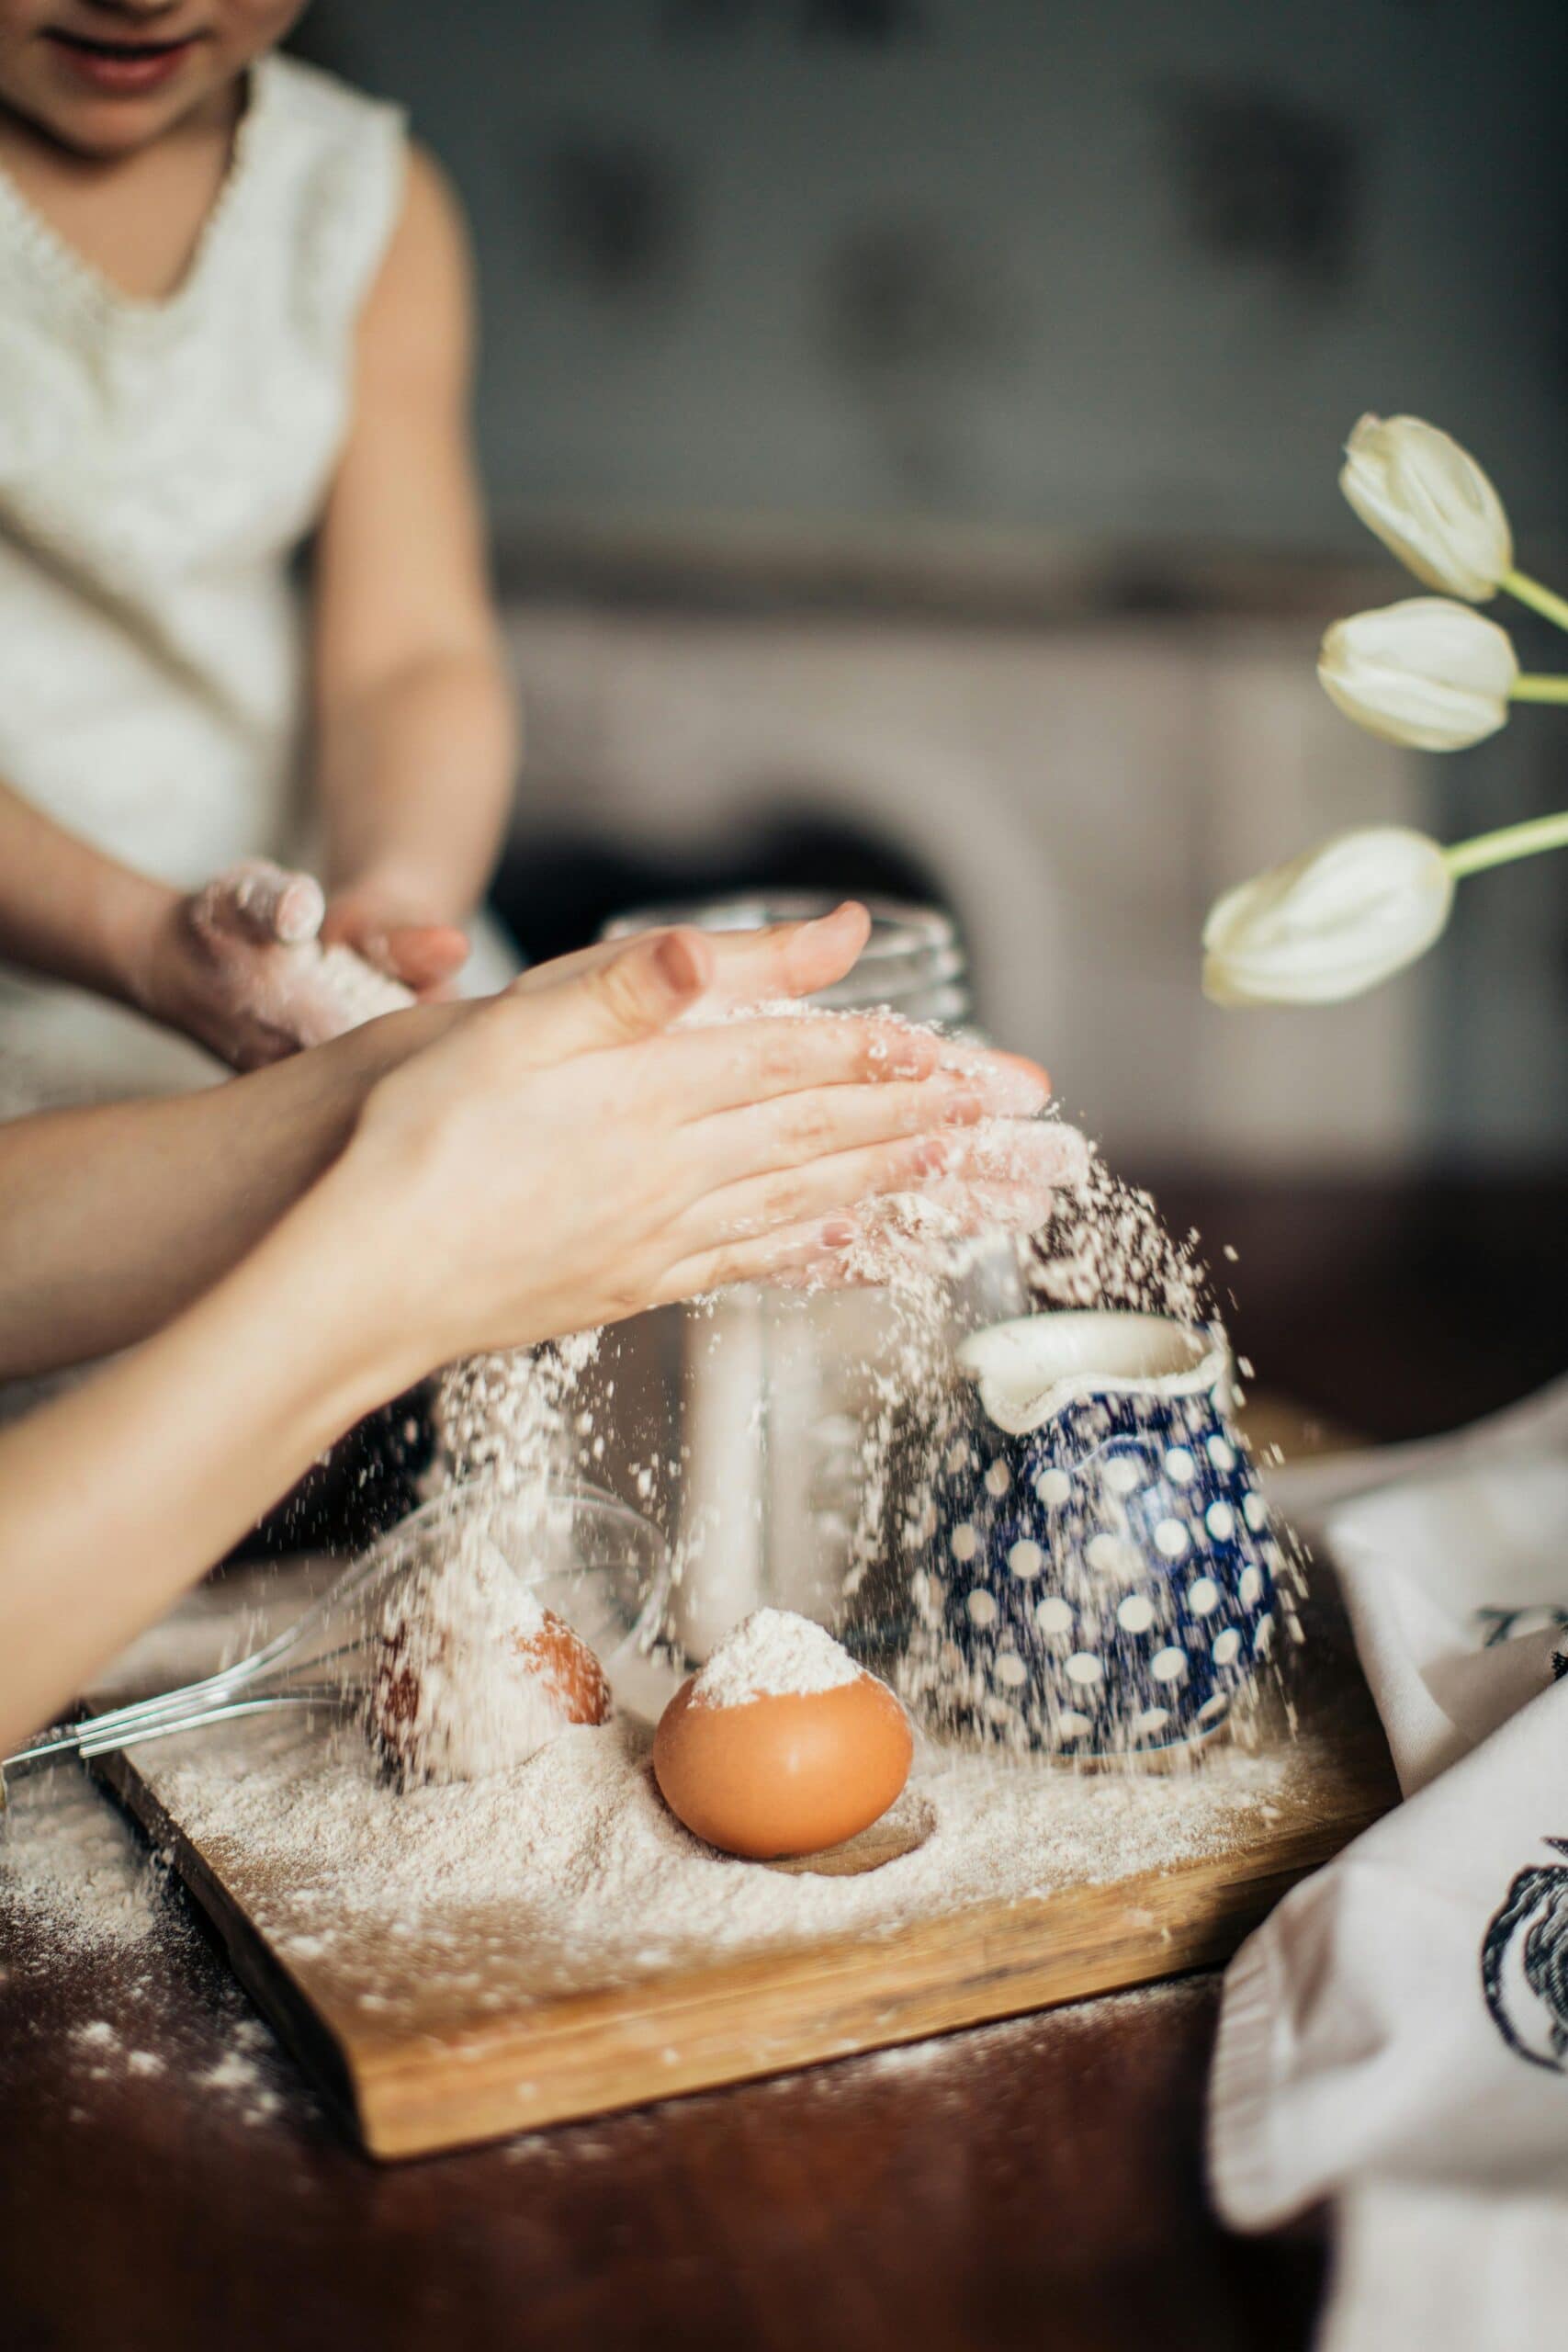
(911, 430)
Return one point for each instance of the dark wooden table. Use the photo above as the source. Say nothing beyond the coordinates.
(167, 2181)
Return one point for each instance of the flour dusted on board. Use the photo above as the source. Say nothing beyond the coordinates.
(568, 1874)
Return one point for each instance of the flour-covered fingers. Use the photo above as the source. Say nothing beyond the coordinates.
(841, 1180)
(985, 1171)
(1001, 1174)
(795, 1129)
(701, 1072)
(822, 1254)
(1004, 1179)
(1015, 1087)
(1009, 1176)
(261, 902)
(747, 1061)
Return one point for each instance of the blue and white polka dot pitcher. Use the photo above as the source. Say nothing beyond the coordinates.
(1104, 1569)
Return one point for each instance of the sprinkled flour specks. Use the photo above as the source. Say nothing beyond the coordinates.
(774, 1654)
(71, 1868)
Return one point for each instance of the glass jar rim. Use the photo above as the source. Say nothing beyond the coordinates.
(913, 951)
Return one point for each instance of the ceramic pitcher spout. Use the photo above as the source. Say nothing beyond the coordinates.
(1028, 1370)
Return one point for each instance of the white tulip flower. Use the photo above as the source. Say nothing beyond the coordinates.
(1429, 499)
(1428, 672)
(1331, 924)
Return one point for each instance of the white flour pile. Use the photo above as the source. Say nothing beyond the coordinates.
(775, 1654)
(570, 1873)
(454, 1697)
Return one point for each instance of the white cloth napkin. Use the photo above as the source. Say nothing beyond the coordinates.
(1393, 2041)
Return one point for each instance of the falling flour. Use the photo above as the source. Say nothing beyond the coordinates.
(774, 1654)
(859, 1528)
(454, 1696)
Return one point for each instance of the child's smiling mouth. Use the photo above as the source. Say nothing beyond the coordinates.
(121, 69)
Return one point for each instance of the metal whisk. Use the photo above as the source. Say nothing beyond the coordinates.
(581, 1551)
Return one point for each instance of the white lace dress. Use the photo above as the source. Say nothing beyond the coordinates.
(160, 463)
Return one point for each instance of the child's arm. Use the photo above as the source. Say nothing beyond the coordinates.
(416, 736)
(217, 966)
(70, 912)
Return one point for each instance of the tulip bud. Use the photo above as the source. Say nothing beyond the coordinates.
(1330, 924)
(1429, 499)
(1428, 672)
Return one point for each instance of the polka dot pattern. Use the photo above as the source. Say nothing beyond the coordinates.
(1111, 1573)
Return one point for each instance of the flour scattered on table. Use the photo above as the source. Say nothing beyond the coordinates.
(72, 1869)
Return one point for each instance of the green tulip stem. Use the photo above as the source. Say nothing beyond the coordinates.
(1502, 848)
(1537, 689)
(1540, 600)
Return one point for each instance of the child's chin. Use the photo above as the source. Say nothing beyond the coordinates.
(100, 144)
(102, 128)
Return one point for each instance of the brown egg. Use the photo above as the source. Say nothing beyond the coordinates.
(567, 1666)
(784, 1774)
(437, 1712)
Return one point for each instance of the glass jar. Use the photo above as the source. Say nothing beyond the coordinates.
(758, 1425)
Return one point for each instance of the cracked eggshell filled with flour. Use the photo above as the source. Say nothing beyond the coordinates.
(782, 1745)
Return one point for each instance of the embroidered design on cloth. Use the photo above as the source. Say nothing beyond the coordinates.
(1500, 1625)
(1524, 1959)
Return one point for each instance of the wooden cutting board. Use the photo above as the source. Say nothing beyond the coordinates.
(445, 2071)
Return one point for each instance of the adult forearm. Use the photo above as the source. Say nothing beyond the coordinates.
(70, 912)
(416, 780)
(118, 1497)
(112, 1219)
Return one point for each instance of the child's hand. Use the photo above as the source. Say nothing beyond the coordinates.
(396, 937)
(237, 967)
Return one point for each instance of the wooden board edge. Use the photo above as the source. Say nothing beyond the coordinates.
(593, 2055)
(286, 2004)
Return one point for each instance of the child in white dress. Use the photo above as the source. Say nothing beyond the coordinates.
(234, 319)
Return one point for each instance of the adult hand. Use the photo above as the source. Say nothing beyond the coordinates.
(569, 1153)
